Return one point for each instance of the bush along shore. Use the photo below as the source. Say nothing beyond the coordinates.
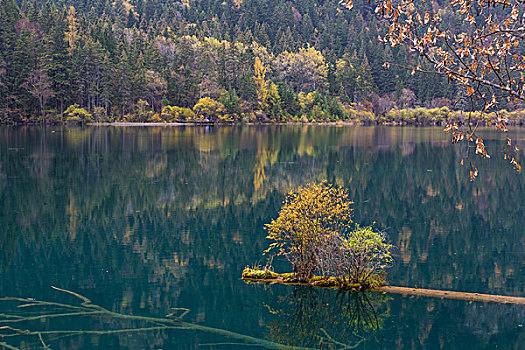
(311, 109)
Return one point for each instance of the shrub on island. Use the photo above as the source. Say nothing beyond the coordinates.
(315, 233)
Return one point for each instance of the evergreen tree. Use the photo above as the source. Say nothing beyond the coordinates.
(107, 55)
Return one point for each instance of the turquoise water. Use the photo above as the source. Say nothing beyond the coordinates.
(141, 220)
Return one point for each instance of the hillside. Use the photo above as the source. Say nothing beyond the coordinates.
(233, 60)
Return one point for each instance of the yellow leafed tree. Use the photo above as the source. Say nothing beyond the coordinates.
(309, 215)
(259, 74)
(72, 33)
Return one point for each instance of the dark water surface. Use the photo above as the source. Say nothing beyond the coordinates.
(141, 220)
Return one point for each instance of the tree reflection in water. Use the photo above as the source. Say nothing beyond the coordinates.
(143, 219)
(326, 319)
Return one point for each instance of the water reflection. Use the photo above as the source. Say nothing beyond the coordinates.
(325, 319)
(144, 219)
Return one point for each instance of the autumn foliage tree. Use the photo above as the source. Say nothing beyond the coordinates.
(314, 231)
(305, 69)
(477, 44)
(260, 82)
(309, 216)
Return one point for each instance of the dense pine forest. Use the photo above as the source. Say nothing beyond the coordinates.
(236, 60)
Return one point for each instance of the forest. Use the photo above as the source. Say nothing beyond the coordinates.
(200, 60)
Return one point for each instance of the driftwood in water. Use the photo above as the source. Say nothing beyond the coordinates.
(445, 294)
(273, 278)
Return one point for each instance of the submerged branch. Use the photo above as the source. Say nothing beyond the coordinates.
(86, 303)
(32, 302)
(7, 346)
(33, 318)
(87, 308)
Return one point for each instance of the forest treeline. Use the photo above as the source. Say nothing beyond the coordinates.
(202, 60)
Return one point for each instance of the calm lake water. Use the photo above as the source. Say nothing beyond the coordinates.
(141, 220)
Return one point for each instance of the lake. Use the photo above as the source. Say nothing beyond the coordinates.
(144, 219)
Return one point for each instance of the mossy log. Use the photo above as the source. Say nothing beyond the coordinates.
(266, 276)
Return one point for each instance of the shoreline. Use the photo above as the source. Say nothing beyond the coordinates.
(344, 123)
(192, 124)
(419, 116)
(340, 123)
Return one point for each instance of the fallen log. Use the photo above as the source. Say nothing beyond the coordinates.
(275, 278)
(445, 294)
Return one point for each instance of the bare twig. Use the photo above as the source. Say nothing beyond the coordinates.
(7, 346)
(42, 341)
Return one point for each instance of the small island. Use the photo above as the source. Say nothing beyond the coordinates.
(315, 233)
(267, 276)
